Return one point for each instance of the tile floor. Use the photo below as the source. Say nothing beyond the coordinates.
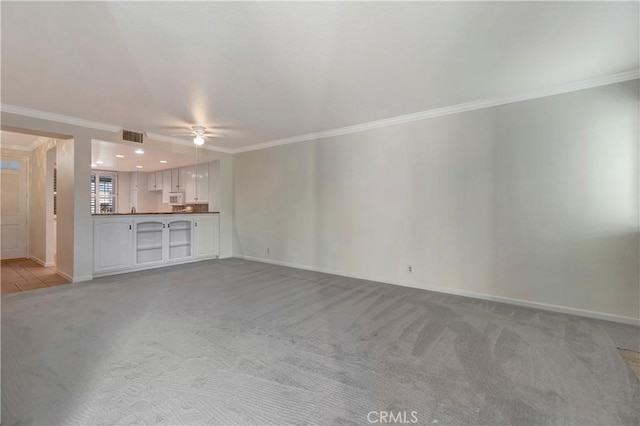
(25, 274)
(632, 359)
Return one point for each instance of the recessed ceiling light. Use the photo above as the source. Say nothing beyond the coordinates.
(99, 162)
(119, 155)
(139, 151)
(93, 165)
(163, 161)
(138, 167)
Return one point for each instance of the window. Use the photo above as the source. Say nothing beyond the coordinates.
(103, 192)
(9, 165)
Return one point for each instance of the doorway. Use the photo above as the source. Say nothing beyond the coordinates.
(13, 210)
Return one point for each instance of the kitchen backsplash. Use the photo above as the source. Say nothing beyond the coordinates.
(198, 208)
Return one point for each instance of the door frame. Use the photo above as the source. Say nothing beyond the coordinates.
(24, 159)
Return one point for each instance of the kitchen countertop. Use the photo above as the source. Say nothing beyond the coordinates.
(147, 213)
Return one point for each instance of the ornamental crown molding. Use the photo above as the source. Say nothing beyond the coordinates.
(453, 109)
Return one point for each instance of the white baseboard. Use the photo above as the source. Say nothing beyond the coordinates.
(65, 275)
(74, 279)
(482, 296)
(42, 262)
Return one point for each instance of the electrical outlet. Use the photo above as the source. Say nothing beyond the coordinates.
(268, 249)
(410, 268)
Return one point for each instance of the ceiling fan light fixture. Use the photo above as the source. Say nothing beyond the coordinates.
(198, 131)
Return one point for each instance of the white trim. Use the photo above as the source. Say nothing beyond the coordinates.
(481, 296)
(64, 274)
(42, 262)
(402, 119)
(82, 278)
(33, 113)
(16, 147)
(186, 142)
(453, 109)
(29, 148)
(155, 266)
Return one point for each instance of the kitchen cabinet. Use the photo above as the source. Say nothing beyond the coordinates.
(178, 179)
(166, 186)
(202, 183)
(197, 184)
(180, 238)
(112, 239)
(149, 240)
(133, 181)
(207, 236)
(154, 181)
(161, 239)
(190, 184)
(123, 244)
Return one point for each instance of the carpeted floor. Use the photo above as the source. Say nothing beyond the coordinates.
(238, 342)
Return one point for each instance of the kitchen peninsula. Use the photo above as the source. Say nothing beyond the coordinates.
(136, 241)
(152, 208)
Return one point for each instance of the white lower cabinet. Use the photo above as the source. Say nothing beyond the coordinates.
(142, 242)
(149, 241)
(180, 239)
(207, 236)
(112, 242)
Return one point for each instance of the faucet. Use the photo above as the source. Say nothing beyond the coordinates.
(133, 209)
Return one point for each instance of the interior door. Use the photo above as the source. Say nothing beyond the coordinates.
(13, 213)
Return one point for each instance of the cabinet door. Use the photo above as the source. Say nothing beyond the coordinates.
(166, 186)
(207, 235)
(180, 239)
(151, 181)
(112, 240)
(190, 184)
(158, 180)
(133, 181)
(149, 241)
(178, 179)
(202, 183)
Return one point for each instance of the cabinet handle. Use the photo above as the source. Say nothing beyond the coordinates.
(168, 225)
(129, 227)
(163, 226)
(196, 224)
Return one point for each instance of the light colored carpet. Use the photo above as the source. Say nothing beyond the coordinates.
(238, 342)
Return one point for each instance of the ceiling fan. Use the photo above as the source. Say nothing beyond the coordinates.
(199, 133)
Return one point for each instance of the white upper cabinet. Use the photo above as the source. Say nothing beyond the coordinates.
(151, 182)
(197, 185)
(190, 184)
(159, 182)
(178, 179)
(166, 186)
(133, 181)
(202, 183)
(154, 181)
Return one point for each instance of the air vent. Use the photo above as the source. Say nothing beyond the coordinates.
(128, 135)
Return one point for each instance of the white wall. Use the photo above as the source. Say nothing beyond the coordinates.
(227, 206)
(65, 220)
(49, 214)
(38, 193)
(214, 186)
(124, 192)
(535, 201)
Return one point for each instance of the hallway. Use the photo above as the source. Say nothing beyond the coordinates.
(25, 274)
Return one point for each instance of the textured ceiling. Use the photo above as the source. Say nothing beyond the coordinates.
(257, 72)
